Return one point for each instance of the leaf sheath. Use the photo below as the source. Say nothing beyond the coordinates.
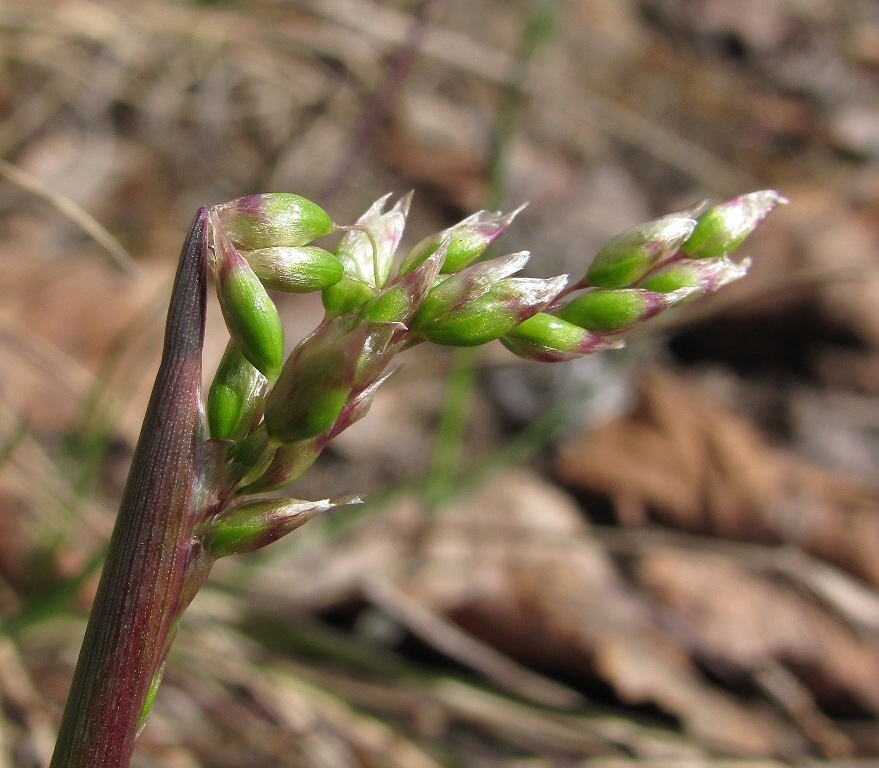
(139, 591)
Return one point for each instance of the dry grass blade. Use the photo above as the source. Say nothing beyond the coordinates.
(321, 717)
(439, 702)
(465, 649)
(73, 212)
(365, 734)
(18, 693)
(475, 57)
(784, 688)
(852, 601)
(537, 730)
(53, 508)
(45, 357)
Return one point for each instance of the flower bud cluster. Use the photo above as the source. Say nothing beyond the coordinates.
(275, 416)
(641, 273)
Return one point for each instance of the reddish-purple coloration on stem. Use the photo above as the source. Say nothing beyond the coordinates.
(139, 593)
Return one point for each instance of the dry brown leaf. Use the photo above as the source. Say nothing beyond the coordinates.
(516, 566)
(699, 467)
(839, 241)
(737, 621)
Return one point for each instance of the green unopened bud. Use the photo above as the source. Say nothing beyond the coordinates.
(253, 453)
(348, 295)
(295, 270)
(288, 463)
(367, 250)
(467, 241)
(235, 397)
(275, 219)
(689, 276)
(721, 229)
(251, 316)
(610, 311)
(291, 460)
(254, 524)
(315, 383)
(626, 258)
(389, 305)
(453, 292)
(495, 313)
(400, 301)
(549, 339)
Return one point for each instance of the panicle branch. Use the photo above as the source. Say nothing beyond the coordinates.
(276, 418)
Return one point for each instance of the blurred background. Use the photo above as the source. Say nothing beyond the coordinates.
(667, 555)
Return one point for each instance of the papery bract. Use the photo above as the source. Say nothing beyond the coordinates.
(467, 241)
(368, 248)
(723, 228)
